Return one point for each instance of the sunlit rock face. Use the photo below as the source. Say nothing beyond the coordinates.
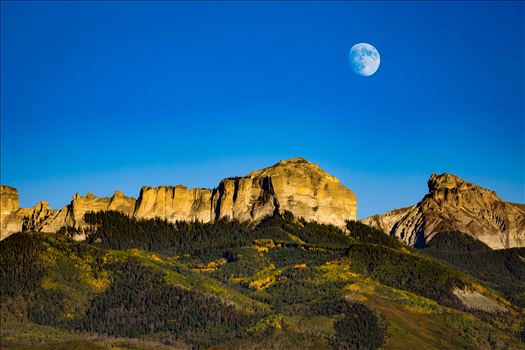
(80, 205)
(174, 203)
(453, 204)
(8, 200)
(44, 219)
(8, 207)
(387, 221)
(294, 185)
(14, 219)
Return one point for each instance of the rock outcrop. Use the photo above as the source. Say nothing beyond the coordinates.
(44, 219)
(8, 207)
(453, 204)
(80, 205)
(387, 221)
(8, 200)
(294, 185)
(174, 203)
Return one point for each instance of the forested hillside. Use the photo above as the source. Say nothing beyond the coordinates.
(502, 269)
(281, 283)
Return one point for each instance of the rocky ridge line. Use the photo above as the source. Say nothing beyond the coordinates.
(295, 185)
(453, 204)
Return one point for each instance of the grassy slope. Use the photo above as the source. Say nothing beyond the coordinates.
(280, 282)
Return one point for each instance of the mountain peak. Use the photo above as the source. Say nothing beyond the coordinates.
(445, 180)
(298, 169)
(448, 181)
(298, 160)
(454, 204)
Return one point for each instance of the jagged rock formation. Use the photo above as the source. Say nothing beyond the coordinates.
(453, 204)
(295, 185)
(42, 218)
(82, 204)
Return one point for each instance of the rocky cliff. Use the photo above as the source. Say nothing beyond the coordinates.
(8, 208)
(42, 218)
(453, 204)
(295, 185)
(174, 203)
(82, 204)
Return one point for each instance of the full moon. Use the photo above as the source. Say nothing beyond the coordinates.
(364, 59)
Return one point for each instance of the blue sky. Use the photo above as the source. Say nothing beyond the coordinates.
(99, 96)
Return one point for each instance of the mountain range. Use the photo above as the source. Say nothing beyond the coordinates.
(297, 186)
(271, 260)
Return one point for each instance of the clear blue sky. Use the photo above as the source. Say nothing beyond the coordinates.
(99, 96)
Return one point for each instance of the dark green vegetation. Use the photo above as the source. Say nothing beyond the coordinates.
(153, 306)
(358, 328)
(283, 283)
(502, 270)
(367, 234)
(117, 231)
(415, 274)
